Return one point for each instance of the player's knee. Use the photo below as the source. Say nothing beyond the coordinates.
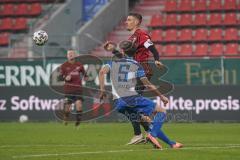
(79, 105)
(67, 108)
(146, 119)
(158, 108)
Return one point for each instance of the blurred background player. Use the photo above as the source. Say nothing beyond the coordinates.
(72, 73)
(142, 45)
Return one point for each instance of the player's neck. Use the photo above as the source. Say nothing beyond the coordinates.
(71, 61)
(134, 30)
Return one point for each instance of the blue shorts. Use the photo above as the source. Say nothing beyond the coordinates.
(137, 104)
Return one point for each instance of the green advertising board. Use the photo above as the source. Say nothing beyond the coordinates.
(178, 71)
(203, 71)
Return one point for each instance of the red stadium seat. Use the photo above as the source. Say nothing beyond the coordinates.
(7, 10)
(185, 20)
(157, 35)
(215, 34)
(150, 3)
(22, 10)
(186, 50)
(216, 49)
(171, 35)
(35, 9)
(230, 5)
(185, 5)
(215, 19)
(189, 1)
(47, 1)
(20, 24)
(6, 24)
(170, 50)
(200, 20)
(201, 50)
(5, 1)
(160, 49)
(170, 5)
(200, 5)
(200, 35)
(185, 35)
(157, 20)
(215, 5)
(171, 20)
(4, 39)
(230, 19)
(232, 49)
(30, 1)
(231, 34)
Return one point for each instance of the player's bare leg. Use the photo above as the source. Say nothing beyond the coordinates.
(139, 138)
(177, 145)
(156, 131)
(67, 109)
(78, 104)
(134, 118)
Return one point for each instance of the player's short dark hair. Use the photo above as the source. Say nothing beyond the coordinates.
(136, 15)
(128, 47)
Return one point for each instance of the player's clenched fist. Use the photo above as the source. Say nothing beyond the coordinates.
(110, 46)
(159, 64)
(164, 99)
(68, 78)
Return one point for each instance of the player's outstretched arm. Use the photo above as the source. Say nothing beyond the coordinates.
(112, 47)
(154, 89)
(151, 47)
(104, 70)
(155, 53)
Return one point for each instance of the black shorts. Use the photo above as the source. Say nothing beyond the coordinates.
(149, 73)
(72, 99)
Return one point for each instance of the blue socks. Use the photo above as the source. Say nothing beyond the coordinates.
(156, 128)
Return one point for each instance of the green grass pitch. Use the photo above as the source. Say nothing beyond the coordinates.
(106, 141)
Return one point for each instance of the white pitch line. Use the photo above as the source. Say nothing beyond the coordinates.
(121, 151)
(76, 153)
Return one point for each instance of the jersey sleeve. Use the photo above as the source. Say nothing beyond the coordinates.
(145, 40)
(108, 64)
(62, 71)
(83, 71)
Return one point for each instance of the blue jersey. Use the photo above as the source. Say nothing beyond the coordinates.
(124, 74)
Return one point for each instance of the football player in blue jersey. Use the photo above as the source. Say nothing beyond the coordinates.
(124, 73)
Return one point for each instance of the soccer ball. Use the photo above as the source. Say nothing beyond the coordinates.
(23, 118)
(40, 37)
